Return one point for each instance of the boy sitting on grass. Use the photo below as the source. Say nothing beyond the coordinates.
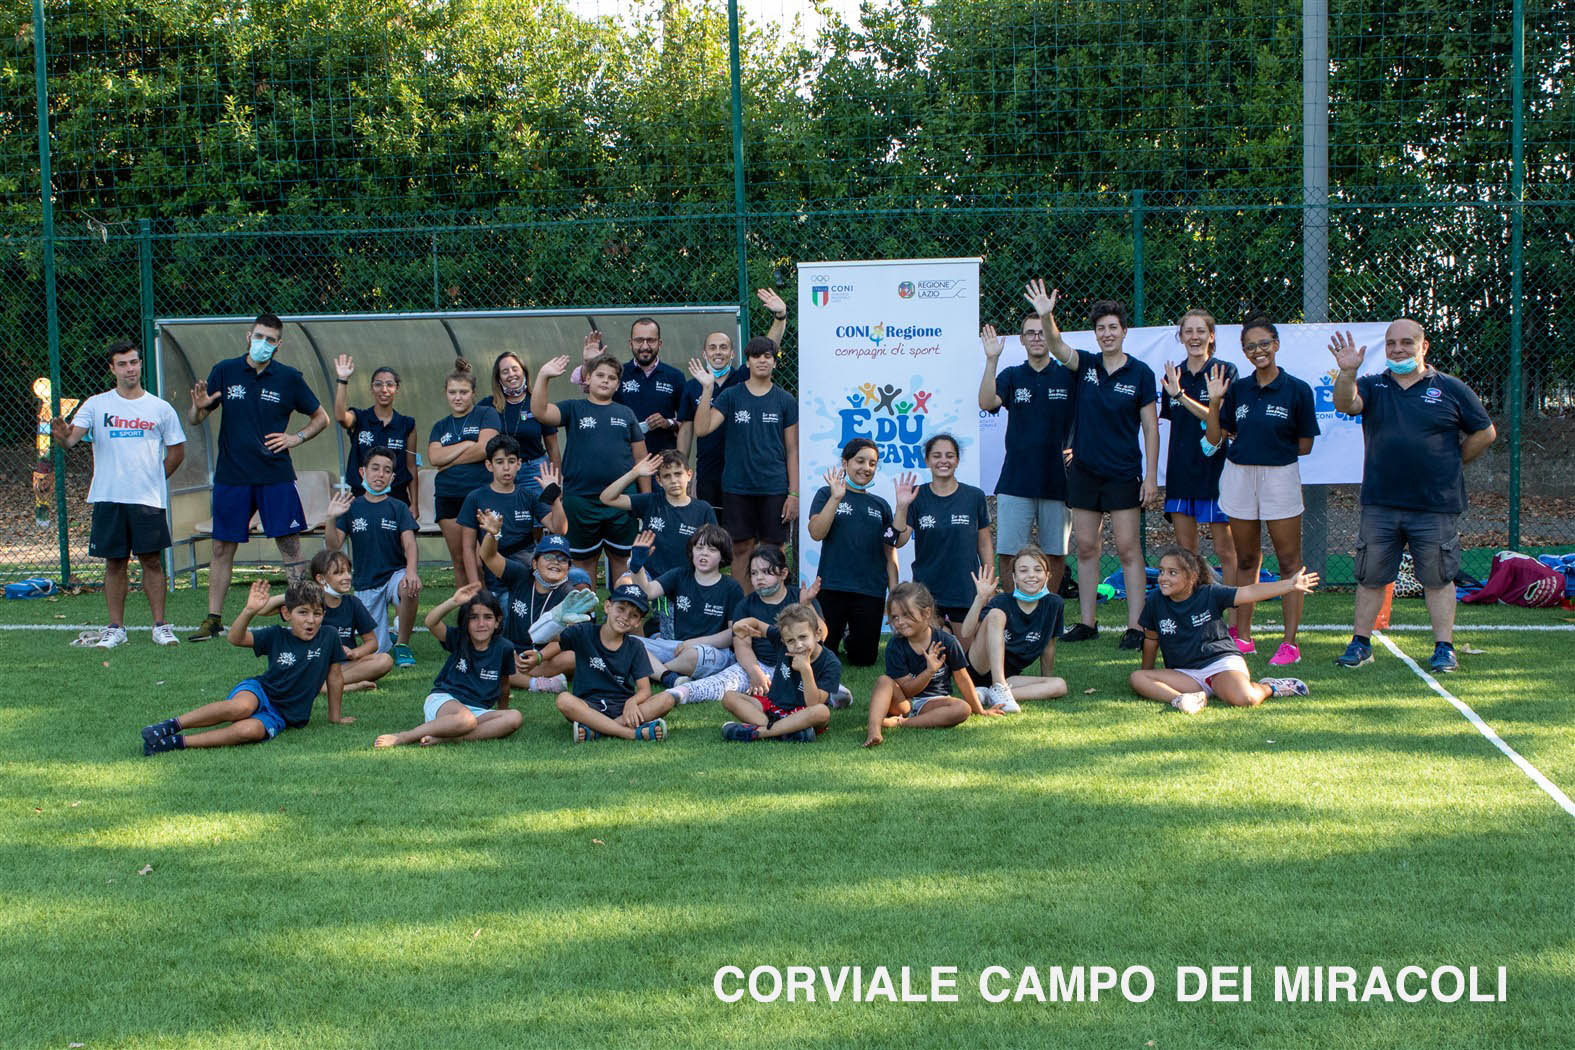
(700, 640)
(796, 706)
(612, 674)
(382, 535)
(299, 664)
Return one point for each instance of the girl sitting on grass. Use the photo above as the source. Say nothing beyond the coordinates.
(923, 663)
(1006, 633)
(1183, 618)
(344, 614)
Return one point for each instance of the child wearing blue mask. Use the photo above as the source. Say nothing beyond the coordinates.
(1006, 633)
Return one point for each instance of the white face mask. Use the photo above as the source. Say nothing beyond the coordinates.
(329, 590)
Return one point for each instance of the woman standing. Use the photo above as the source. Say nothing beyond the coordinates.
(377, 427)
(1271, 420)
(951, 532)
(511, 399)
(858, 540)
(457, 446)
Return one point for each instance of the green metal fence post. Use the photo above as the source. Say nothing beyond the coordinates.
(51, 302)
(1137, 319)
(150, 377)
(740, 214)
(1517, 263)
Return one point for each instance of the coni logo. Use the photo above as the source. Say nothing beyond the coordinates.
(905, 290)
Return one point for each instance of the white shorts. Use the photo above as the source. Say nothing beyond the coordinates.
(1261, 493)
(710, 659)
(377, 600)
(1228, 662)
(429, 710)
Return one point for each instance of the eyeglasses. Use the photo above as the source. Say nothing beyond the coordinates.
(1033, 335)
(644, 342)
(1258, 347)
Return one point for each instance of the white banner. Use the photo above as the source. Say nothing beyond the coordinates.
(888, 350)
(1336, 458)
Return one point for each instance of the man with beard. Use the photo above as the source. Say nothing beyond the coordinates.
(652, 389)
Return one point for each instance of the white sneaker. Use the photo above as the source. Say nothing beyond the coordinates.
(1001, 696)
(111, 637)
(1190, 703)
(164, 634)
(556, 684)
(843, 697)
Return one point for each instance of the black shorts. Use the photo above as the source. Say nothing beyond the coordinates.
(1086, 490)
(123, 529)
(756, 517)
(955, 614)
(594, 525)
(710, 490)
(446, 508)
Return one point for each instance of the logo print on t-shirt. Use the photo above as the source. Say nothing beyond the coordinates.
(927, 521)
(271, 396)
(1090, 377)
(682, 604)
(358, 525)
(741, 416)
(286, 659)
(1167, 626)
(1032, 636)
(597, 663)
(1021, 396)
(631, 386)
(462, 666)
(520, 608)
(1129, 389)
(587, 423)
(1201, 618)
(235, 392)
(656, 524)
(844, 508)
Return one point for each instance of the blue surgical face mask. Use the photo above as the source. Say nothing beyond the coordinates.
(766, 592)
(855, 486)
(1020, 596)
(1402, 368)
(721, 373)
(259, 351)
(370, 491)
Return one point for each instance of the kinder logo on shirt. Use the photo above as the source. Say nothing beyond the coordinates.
(686, 530)
(520, 514)
(312, 654)
(120, 426)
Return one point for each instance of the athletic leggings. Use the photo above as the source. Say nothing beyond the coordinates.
(853, 620)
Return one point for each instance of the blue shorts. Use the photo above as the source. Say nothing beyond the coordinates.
(272, 721)
(1203, 511)
(605, 705)
(277, 505)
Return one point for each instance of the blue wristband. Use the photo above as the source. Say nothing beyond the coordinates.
(637, 557)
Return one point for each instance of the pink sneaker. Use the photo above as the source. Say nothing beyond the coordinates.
(1286, 654)
(1243, 645)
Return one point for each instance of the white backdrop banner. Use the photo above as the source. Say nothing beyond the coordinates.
(1336, 457)
(888, 350)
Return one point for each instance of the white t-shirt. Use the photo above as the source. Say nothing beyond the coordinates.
(129, 438)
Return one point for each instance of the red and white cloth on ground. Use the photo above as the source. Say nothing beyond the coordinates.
(1520, 579)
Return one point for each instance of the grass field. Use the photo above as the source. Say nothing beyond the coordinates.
(313, 893)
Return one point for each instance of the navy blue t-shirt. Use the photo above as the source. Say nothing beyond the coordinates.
(456, 480)
(1267, 422)
(525, 604)
(766, 651)
(1109, 415)
(1189, 474)
(531, 432)
(853, 554)
(699, 610)
(787, 687)
(253, 405)
(946, 541)
(710, 449)
(1028, 633)
(673, 527)
(601, 673)
(349, 619)
(902, 661)
(368, 433)
(474, 678)
(660, 392)
(1039, 411)
(755, 428)
(377, 549)
(296, 669)
(600, 448)
(522, 514)
(1192, 633)
(1413, 441)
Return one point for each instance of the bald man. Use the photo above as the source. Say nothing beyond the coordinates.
(1421, 427)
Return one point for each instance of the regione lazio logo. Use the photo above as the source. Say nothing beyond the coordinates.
(820, 295)
(905, 290)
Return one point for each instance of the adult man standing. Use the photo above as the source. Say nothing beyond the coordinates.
(1420, 427)
(1038, 398)
(650, 387)
(137, 444)
(254, 472)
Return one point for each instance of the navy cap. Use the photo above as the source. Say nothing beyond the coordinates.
(552, 543)
(631, 593)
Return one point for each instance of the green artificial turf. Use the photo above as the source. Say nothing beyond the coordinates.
(311, 892)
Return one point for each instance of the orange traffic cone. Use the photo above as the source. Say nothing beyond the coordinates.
(1383, 610)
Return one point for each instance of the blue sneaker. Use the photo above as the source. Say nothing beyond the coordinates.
(739, 732)
(403, 657)
(803, 736)
(1443, 661)
(1356, 654)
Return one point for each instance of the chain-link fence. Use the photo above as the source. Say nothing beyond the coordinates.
(498, 155)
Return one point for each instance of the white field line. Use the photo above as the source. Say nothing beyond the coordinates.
(1482, 727)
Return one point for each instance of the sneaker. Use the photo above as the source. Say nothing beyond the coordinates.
(403, 657)
(556, 684)
(803, 736)
(1285, 686)
(1000, 696)
(158, 744)
(111, 637)
(1080, 632)
(1246, 646)
(1443, 661)
(1356, 654)
(655, 729)
(580, 733)
(156, 732)
(164, 634)
(210, 627)
(739, 732)
(1286, 654)
(843, 697)
(1190, 703)
(1131, 639)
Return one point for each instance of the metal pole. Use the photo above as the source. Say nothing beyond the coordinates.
(1315, 234)
(150, 378)
(1137, 319)
(436, 297)
(740, 214)
(51, 303)
(1517, 262)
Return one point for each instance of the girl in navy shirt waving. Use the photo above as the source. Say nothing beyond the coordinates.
(924, 667)
(951, 531)
(458, 448)
(378, 426)
(1184, 619)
